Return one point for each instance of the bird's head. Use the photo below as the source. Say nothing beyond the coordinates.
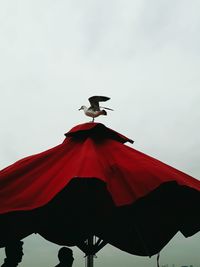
(82, 108)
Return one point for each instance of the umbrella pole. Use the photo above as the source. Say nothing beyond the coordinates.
(90, 257)
(90, 247)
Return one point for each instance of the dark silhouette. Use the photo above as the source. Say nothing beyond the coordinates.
(14, 254)
(65, 256)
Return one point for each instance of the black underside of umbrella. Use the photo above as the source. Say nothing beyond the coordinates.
(84, 208)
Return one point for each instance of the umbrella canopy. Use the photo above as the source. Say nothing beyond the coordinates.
(94, 184)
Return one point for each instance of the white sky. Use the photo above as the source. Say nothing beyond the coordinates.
(144, 54)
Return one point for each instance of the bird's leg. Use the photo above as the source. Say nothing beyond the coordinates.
(93, 119)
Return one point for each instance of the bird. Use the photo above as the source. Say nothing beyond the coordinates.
(95, 110)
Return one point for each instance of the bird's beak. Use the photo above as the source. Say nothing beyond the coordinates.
(79, 109)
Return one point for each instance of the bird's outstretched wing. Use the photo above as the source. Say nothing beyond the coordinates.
(108, 108)
(94, 101)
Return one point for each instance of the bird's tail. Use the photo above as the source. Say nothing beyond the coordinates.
(103, 112)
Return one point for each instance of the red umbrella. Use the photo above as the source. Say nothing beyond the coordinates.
(94, 184)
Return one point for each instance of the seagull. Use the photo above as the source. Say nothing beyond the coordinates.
(94, 109)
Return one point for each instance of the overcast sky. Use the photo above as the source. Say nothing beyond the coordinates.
(144, 54)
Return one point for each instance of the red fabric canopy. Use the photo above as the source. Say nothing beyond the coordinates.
(89, 150)
(94, 184)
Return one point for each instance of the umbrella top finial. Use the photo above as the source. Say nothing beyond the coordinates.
(98, 130)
